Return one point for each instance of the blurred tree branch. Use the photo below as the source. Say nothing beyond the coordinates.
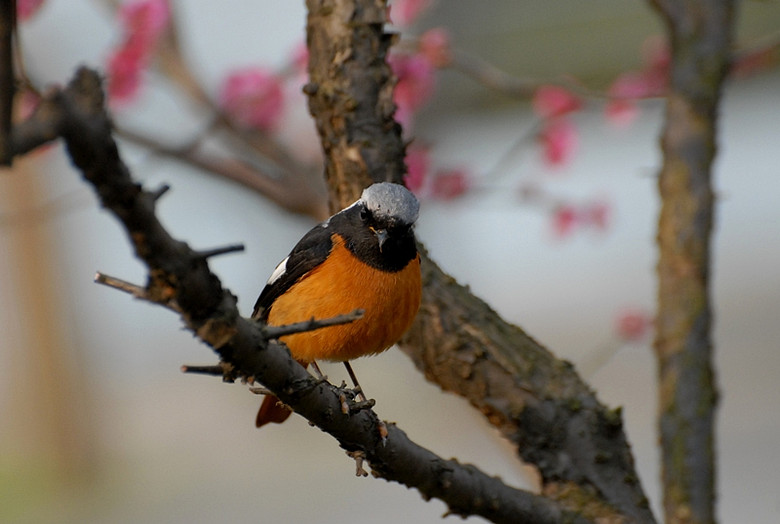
(700, 32)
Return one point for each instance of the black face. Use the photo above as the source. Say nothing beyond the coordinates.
(362, 231)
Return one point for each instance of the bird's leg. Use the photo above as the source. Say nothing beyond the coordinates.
(365, 403)
(317, 371)
(358, 390)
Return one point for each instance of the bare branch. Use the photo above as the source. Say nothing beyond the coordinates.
(216, 369)
(218, 251)
(122, 285)
(274, 332)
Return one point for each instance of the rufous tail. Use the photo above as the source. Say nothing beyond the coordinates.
(271, 410)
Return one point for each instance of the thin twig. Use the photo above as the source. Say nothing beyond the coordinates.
(274, 332)
(135, 291)
(217, 251)
(122, 285)
(215, 370)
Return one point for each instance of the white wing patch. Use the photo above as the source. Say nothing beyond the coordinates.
(280, 270)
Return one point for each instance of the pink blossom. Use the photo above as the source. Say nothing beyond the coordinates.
(559, 139)
(25, 9)
(125, 68)
(253, 97)
(650, 81)
(621, 112)
(564, 219)
(144, 21)
(622, 109)
(416, 80)
(405, 12)
(630, 85)
(450, 184)
(633, 324)
(550, 101)
(434, 45)
(417, 161)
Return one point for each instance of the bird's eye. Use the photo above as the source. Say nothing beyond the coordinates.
(365, 215)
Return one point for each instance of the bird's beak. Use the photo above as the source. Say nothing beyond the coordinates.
(381, 236)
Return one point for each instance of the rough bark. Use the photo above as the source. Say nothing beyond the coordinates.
(700, 34)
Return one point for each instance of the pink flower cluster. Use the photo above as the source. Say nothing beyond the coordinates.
(414, 87)
(568, 217)
(253, 97)
(633, 324)
(558, 136)
(142, 22)
(416, 73)
(25, 9)
(650, 81)
(405, 12)
(442, 184)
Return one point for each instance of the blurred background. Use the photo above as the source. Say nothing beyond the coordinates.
(99, 424)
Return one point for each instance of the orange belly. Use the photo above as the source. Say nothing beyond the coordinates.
(389, 300)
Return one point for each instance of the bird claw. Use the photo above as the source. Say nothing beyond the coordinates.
(353, 400)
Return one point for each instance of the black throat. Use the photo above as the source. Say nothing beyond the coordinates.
(355, 227)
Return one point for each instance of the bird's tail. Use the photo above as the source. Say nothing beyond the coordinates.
(272, 410)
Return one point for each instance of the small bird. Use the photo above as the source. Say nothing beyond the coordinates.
(363, 257)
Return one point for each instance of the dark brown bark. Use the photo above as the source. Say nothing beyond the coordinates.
(360, 139)
(700, 34)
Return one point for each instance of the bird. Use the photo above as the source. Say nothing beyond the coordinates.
(363, 257)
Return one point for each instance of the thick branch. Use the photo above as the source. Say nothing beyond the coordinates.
(360, 139)
(537, 401)
(700, 34)
(181, 275)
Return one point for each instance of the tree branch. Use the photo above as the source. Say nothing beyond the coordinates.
(181, 275)
(537, 401)
(700, 34)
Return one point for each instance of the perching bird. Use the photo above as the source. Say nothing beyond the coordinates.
(363, 257)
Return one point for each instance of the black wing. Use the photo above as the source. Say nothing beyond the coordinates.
(308, 253)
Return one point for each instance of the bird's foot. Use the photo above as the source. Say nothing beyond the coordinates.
(353, 400)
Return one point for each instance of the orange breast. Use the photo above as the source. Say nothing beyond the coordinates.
(339, 286)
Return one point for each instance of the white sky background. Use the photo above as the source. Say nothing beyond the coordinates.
(183, 448)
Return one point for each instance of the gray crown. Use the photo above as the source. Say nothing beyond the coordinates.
(392, 202)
